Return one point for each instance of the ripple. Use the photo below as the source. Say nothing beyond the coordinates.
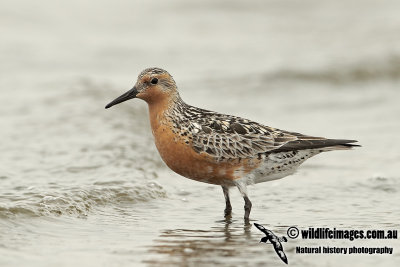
(78, 201)
(383, 69)
(380, 183)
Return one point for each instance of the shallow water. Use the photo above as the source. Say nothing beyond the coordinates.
(80, 185)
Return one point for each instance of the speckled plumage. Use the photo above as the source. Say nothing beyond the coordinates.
(216, 148)
(226, 137)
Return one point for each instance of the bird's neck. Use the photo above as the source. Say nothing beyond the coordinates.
(163, 109)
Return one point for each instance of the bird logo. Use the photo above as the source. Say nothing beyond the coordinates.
(274, 240)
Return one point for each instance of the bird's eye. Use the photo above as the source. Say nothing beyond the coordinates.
(154, 81)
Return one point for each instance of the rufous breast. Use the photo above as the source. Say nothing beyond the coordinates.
(177, 152)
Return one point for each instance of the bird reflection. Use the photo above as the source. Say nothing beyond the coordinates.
(228, 239)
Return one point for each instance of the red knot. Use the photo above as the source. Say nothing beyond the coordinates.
(220, 149)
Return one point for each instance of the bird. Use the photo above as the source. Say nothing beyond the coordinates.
(220, 149)
(275, 241)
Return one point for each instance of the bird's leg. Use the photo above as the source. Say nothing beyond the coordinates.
(228, 207)
(247, 207)
(247, 203)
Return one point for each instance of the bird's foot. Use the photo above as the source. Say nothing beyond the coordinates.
(228, 211)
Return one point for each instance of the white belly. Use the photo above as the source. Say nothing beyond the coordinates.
(279, 165)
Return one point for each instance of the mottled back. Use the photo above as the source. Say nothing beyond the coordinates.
(230, 137)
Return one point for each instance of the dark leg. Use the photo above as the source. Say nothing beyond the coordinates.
(247, 203)
(228, 207)
(247, 207)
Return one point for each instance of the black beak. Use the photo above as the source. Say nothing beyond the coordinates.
(128, 95)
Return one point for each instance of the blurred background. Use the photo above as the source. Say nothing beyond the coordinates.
(82, 185)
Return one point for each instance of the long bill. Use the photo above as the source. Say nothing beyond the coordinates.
(128, 95)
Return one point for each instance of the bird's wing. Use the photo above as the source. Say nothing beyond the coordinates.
(279, 251)
(261, 228)
(229, 137)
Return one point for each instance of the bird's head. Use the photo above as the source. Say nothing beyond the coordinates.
(153, 85)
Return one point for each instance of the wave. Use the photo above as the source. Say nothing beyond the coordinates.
(78, 202)
(369, 70)
(381, 183)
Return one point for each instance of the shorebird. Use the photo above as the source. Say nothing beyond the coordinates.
(220, 149)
